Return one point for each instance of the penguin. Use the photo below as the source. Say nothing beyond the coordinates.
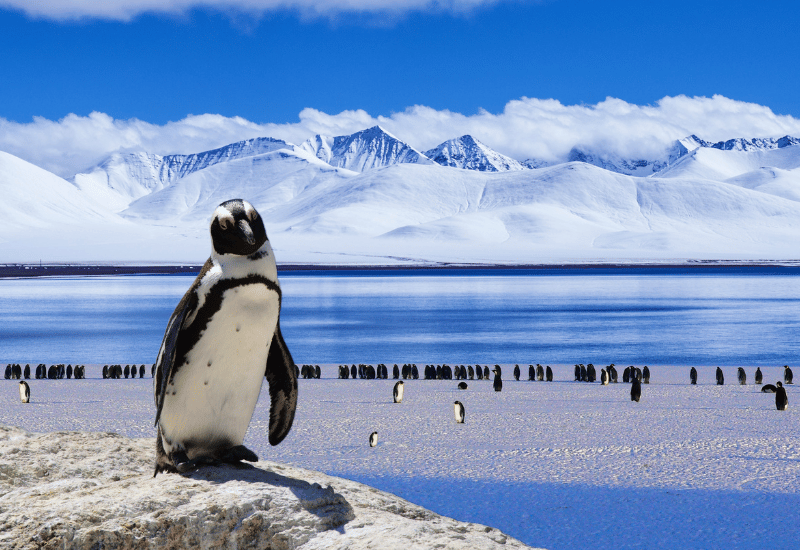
(636, 389)
(27, 372)
(516, 373)
(373, 439)
(462, 386)
(458, 411)
(127, 371)
(486, 372)
(626, 375)
(549, 374)
(645, 375)
(584, 373)
(612, 373)
(24, 391)
(52, 372)
(498, 382)
(471, 372)
(222, 339)
(693, 376)
(781, 399)
(720, 377)
(141, 371)
(577, 373)
(398, 392)
(414, 372)
(759, 376)
(318, 372)
(8, 372)
(591, 373)
(478, 372)
(787, 375)
(153, 370)
(353, 372)
(742, 376)
(769, 388)
(603, 377)
(396, 373)
(539, 372)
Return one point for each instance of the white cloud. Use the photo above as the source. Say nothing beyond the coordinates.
(125, 10)
(528, 127)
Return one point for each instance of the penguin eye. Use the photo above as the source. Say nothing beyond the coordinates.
(253, 215)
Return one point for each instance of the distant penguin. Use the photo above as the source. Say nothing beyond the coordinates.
(603, 377)
(27, 372)
(591, 373)
(612, 373)
(458, 412)
(141, 371)
(516, 373)
(759, 376)
(787, 374)
(720, 377)
(414, 372)
(539, 372)
(462, 385)
(397, 392)
(638, 373)
(769, 388)
(16, 372)
(221, 341)
(584, 373)
(24, 391)
(478, 372)
(353, 372)
(396, 372)
(105, 371)
(127, 370)
(486, 372)
(577, 373)
(742, 376)
(52, 372)
(471, 372)
(626, 375)
(531, 372)
(69, 371)
(693, 376)
(645, 375)
(8, 372)
(498, 382)
(636, 389)
(318, 371)
(549, 374)
(153, 370)
(781, 399)
(373, 439)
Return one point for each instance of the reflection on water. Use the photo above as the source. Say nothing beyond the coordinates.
(467, 317)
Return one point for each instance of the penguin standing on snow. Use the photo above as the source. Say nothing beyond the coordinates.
(693, 376)
(222, 339)
(458, 411)
(498, 382)
(787, 374)
(742, 376)
(25, 391)
(373, 439)
(398, 392)
(550, 374)
(720, 377)
(759, 376)
(603, 377)
(636, 389)
(781, 400)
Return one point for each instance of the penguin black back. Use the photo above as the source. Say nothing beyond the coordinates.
(498, 381)
(636, 389)
(720, 377)
(693, 376)
(759, 377)
(781, 399)
(787, 375)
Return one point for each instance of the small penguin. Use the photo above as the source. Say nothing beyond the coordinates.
(787, 375)
(539, 372)
(645, 375)
(550, 374)
(742, 376)
(223, 338)
(462, 385)
(693, 376)
(781, 399)
(486, 372)
(398, 391)
(24, 391)
(498, 382)
(458, 411)
(603, 377)
(769, 388)
(373, 439)
(396, 372)
(516, 373)
(759, 376)
(531, 372)
(720, 377)
(636, 389)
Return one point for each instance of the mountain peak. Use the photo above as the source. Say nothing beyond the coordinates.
(469, 153)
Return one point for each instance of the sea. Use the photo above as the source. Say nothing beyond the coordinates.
(739, 316)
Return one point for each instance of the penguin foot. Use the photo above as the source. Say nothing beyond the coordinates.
(237, 454)
(183, 464)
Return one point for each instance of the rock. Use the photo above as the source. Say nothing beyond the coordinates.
(87, 490)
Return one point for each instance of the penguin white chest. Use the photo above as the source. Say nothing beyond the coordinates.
(212, 397)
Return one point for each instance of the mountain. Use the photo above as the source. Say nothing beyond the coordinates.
(470, 154)
(364, 150)
(123, 178)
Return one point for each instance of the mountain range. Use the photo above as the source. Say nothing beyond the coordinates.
(370, 198)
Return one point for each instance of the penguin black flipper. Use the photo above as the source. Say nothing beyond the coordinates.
(282, 377)
(165, 364)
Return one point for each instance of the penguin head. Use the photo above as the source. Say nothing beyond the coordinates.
(236, 228)
(779, 384)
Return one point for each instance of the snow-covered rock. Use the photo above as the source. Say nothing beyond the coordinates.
(364, 150)
(468, 153)
(87, 490)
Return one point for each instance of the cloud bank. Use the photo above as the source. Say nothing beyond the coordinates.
(527, 128)
(125, 10)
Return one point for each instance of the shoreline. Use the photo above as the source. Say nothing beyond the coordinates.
(22, 270)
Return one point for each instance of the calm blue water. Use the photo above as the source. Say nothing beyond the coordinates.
(668, 317)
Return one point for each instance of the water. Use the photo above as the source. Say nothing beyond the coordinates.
(667, 317)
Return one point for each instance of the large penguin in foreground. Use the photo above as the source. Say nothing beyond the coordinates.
(222, 338)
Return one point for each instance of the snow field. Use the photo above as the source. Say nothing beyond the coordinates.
(558, 465)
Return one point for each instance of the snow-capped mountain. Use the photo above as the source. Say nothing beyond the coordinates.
(123, 178)
(535, 164)
(468, 153)
(731, 199)
(364, 150)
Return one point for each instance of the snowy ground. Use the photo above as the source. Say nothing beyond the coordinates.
(558, 465)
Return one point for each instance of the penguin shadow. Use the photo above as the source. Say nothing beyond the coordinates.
(313, 497)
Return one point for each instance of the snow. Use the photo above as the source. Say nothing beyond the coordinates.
(468, 153)
(557, 465)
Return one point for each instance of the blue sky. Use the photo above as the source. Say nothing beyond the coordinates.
(268, 65)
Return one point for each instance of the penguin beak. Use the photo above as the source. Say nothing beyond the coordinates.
(246, 232)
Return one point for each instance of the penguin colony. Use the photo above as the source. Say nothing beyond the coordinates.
(410, 371)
